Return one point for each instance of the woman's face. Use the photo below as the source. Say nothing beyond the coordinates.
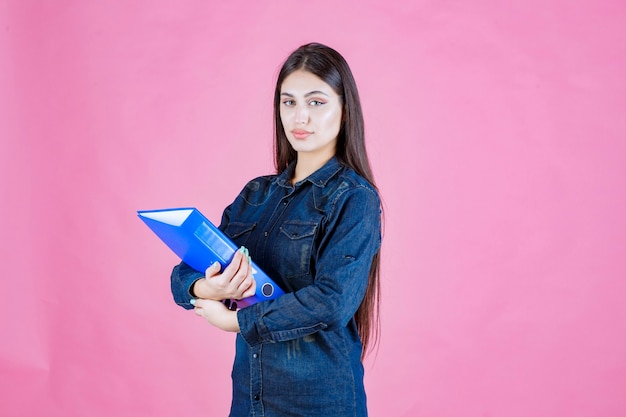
(310, 112)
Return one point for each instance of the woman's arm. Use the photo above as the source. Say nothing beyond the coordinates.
(351, 239)
(217, 314)
(235, 282)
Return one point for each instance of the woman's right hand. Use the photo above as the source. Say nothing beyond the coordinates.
(235, 282)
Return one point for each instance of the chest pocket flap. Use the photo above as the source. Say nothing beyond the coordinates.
(298, 230)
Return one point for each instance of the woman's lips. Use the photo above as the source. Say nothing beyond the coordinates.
(301, 134)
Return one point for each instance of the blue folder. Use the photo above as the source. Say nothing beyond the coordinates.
(199, 244)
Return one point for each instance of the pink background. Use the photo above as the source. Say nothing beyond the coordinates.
(497, 133)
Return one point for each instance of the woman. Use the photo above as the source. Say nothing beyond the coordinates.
(314, 227)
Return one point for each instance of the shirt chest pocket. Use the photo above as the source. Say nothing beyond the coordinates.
(292, 250)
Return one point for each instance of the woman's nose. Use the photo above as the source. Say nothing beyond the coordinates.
(302, 115)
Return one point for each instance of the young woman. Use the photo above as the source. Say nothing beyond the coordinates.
(315, 228)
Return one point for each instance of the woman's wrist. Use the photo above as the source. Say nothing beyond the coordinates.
(230, 322)
(200, 289)
(217, 314)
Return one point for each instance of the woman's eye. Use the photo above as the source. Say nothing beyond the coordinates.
(288, 103)
(316, 103)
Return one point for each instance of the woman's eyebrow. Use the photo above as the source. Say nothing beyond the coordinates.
(310, 93)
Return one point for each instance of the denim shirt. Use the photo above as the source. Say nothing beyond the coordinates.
(300, 354)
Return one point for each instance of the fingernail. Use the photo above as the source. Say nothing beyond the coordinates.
(249, 259)
(215, 265)
(192, 301)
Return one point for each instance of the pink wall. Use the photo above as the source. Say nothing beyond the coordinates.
(498, 136)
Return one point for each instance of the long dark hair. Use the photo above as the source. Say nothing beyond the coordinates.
(332, 68)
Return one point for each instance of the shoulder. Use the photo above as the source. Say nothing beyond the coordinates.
(259, 183)
(349, 180)
(350, 202)
(356, 181)
(258, 189)
(349, 187)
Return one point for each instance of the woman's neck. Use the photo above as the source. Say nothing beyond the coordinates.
(305, 166)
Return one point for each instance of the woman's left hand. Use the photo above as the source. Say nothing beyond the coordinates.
(217, 314)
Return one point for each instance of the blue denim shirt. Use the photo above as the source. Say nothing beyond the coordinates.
(300, 354)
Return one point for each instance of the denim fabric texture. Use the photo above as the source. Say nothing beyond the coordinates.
(300, 354)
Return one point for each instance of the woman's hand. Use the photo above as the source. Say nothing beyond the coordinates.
(217, 314)
(235, 282)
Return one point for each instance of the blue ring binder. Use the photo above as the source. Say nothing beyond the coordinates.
(197, 242)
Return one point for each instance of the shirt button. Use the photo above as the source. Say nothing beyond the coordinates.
(255, 356)
(265, 234)
(256, 397)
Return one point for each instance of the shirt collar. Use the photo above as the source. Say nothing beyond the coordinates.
(319, 178)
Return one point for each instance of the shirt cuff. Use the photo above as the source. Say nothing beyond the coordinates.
(182, 279)
(251, 327)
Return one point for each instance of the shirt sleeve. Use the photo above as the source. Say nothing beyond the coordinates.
(351, 239)
(182, 279)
